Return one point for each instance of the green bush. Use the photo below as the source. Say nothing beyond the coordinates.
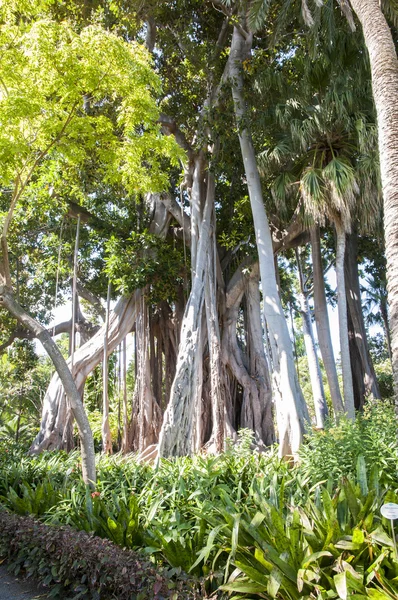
(333, 453)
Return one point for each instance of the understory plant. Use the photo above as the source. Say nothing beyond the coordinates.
(242, 524)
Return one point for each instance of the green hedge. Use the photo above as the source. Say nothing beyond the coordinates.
(84, 566)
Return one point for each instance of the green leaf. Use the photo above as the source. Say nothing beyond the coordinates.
(340, 581)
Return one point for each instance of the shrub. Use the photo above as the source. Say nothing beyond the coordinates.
(85, 566)
(334, 452)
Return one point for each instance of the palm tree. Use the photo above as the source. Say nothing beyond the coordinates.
(320, 145)
(384, 70)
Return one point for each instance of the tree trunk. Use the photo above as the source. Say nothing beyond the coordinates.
(354, 304)
(125, 438)
(176, 436)
(261, 417)
(358, 379)
(87, 443)
(384, 69)
(218, 392)
(146, 417)
(106, 430)
(291, 413)
(320, 406)
(343, 325)
(88, 356)
(322, 322)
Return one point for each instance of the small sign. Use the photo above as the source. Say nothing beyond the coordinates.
(390, 511)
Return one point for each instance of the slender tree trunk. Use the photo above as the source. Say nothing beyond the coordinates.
(125, 438)
(87, 443)
(322, 323)
(354, 304)
(292, 412)
(343, 325)
(106, 431)
(320, 406)
(384, 69)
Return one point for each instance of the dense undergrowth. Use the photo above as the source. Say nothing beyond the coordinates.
(245, 523)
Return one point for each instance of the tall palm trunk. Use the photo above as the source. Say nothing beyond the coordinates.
(106, 430)
(343, 325)
(320, 406)
(354, 305)
(384, 69)
(322, 322)
(291, 412)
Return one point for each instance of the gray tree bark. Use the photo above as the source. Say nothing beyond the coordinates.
(353, 293)
(291, 412)
(320, 406)
(63, 372)
(349, 404)
(322, 323)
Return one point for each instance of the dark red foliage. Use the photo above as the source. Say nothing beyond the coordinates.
(84, 566)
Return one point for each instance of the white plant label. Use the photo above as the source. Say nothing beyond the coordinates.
(390, 511)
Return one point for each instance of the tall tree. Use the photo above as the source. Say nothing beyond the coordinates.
(48, 73)
(384, 69)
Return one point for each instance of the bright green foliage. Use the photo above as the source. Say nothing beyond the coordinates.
(67, 97)
(334, 452)
(23, 380)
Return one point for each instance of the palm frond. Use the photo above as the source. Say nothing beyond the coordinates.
(390, 9)
(347, 12)
(258, 14)
(306, 14)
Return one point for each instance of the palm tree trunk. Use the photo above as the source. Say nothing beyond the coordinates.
(292, 412)
(106, 430)
(322, 322)
(343, 325)
(384, 69)
(354, 305)
(320, 406)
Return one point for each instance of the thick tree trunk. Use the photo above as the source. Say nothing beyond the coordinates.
(320, 406)
(343, 325)
(87, 444)
(357, 371)
(218, 391)
(253, 407)
(291, 413)
(146, 417)
(354, 304)
(384, 69)
(322, 322)
(176, 436)
(258, 415)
